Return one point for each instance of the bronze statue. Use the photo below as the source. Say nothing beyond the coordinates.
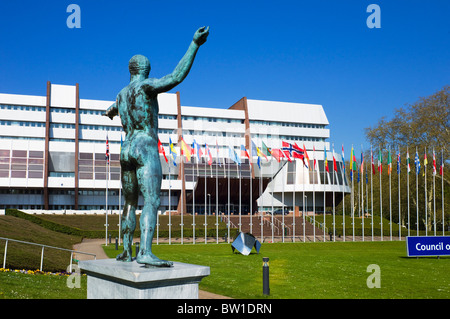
(137, 106)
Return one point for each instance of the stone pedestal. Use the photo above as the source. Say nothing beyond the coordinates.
(111, 279)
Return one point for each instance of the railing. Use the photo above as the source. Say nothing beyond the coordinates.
(42, 251)
(317, 224)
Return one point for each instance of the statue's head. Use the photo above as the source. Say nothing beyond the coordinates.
(139, 65)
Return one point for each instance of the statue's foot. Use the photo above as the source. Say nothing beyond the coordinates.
(125, 256)
(152, 260)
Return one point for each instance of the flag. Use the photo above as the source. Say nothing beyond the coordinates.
(372, 162)
(362, 164)
(380, 161)
(233, 156)
(343, 158)
(185, 150)
(161, 151)
(208, 154)
(305, 157)
(334, 162)
(197, 150)
(107, 149)
(351, 159)
(287, 150)
(325, 159)
(277, 153)
(408, 165)
(245, 153)
(172, 152)
(417, 163)
(389, 162)
(256, 152)
(441, 169)
(358, 178)
(434, 164)
(398, 162)
(265, 150)
(425, 161)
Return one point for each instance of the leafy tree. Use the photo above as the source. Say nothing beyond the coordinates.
(425, 126)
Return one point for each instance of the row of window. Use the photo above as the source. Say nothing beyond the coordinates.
(287, 124)
(212, 119)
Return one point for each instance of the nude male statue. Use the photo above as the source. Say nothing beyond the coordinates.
(138, 108)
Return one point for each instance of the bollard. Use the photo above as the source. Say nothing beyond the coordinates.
(110, 239)
(266, 288)
(117, 244)
(137, 248)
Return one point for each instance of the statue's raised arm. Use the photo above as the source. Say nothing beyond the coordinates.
(171, 80)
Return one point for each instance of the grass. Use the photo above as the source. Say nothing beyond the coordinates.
(21, 256)
(297, 270)
(39, 286)
(367, 226)
(315, 270)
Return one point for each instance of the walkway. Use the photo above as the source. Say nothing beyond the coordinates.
(94, 246)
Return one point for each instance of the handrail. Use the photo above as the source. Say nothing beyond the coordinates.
(42, 252)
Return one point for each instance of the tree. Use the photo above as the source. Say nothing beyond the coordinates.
(425, 125)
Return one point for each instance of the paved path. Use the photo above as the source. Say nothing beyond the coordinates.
(94, 246)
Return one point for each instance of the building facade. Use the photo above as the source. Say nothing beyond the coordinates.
(53, 155)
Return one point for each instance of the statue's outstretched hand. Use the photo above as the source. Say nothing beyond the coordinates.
(201, 35)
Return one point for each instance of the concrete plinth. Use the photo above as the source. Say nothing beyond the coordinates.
(111, 279)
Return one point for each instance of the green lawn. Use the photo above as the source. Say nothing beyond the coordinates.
(315, 270)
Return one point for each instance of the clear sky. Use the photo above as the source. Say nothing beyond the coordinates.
(318, 52)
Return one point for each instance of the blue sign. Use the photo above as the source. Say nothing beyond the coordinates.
(417, 246)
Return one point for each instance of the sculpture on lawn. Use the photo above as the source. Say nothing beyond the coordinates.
(137, 106)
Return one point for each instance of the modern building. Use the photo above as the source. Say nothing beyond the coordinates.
(53, 155)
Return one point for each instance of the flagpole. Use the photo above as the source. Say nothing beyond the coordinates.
(206, 211)
(293, 202)
(380, 168)
(314, 192)
(120, 202)
(353, 194)
(304, 211)
(228, 202)
(282, 206)
(324, 194)
(238, 169)
(343, 193)
(426, 199)
(442, 191)
(251, 191)
(390, 197)
(362, 192)
(273, 186)
(399, 204)
(106, 195)
(408, 169)
(417, 192)
(262, 202)
(434, 192)
(170, 208)
(371, 185)
(217, 196)
(334, 215)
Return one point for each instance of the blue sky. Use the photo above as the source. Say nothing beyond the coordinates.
(318, 52)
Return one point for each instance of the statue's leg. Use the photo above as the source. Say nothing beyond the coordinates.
(149, 177)
(128, 220)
